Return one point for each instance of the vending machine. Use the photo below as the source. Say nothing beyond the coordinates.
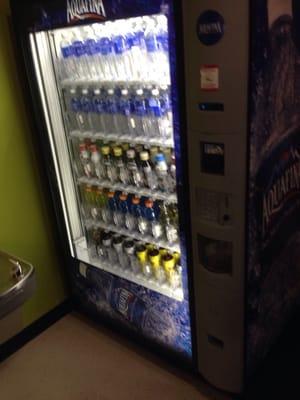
(169, 131)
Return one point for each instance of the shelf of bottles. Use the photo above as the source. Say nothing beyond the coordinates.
(115, 82)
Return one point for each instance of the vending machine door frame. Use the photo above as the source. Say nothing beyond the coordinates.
(24, 25)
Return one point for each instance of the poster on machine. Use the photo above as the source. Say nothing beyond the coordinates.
(274, 206)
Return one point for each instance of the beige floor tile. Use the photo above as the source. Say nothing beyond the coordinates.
(76, 360)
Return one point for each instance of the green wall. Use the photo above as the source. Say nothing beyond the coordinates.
(25, 228)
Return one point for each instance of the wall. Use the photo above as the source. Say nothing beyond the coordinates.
(25, 227)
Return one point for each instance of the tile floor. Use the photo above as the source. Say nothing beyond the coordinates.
(76, 360)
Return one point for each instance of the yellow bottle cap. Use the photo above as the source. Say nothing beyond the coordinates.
(105, 150)
(141, 254)
(154, 258)
(118, 151)
(177, 257)
(163, 252)
(168, 262)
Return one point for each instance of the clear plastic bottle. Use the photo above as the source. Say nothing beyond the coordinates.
(135, 176)
(124, 209)
(157, 271)
(85, 160)
(141, 253)
(67, 65)
(121, 256)
(98, 109)
(109, 251)
(120, 167)
(96, 162)
(172, 174)
(169, 223)
(132, 261)
(138, 51)
(81, 57)
(92, 49)
(155, 226)
(122, 52)
(74, 109)
(139, 116)
(109, 171)
(136, 214)
(106, 212)
(83, 115)
(158, 117)
(124, 116)
(147, 170)
(106, 61)
(111, 111)
(161, 169)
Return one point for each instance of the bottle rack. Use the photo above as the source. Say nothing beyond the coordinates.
(127, 274)
(123, 138)
(68, 83)
(154, 194)
(133, 235)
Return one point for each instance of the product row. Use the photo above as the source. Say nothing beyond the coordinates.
(133, 49)
(141, 215)
(135, 111)
(154, 169)
(138, 258)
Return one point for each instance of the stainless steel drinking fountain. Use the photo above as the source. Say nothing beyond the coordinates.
(17, 285)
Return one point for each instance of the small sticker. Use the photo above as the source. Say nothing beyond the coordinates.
(209, 77)
(210, 27)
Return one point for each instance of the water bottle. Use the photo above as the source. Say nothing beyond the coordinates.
(122, 54)
(139, 108)
(81, 57)
(97, 113)
(106, 213)
(106, 58)
(166, 105)
(149, 176)
(124, 116)
(135, 176)
(137, 50)
(163, 42)
(159, 119)
(155, 226)
(170, 224)
(72, 101)
(92, 51)
(83, 114)
(111, 111)
(161, 169)
(67, 66)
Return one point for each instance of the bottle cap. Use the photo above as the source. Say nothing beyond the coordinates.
(154, 258)
(141, 253)
(153, 150)
(110, 194)
(93, 148)
(139, 92)
(129, 244)
(84, 91)
(130, 154)
(176, 256)
(136, 200)
(82, 147)
(168, 262)
(99, 190)
(155, 92)
(149, 203)
(117, 240)
(123, 196)
(160, 157)
(72, 91)
(144, 156)
(110, 91)
(163, 252)
(105, 150)
(97, 91)
(124, 92)
(125, 146)
(88, 188)
(117, 151)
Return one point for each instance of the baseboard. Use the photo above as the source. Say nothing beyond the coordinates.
(33, 330)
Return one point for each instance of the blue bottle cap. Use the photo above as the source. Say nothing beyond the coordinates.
(160, 157)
